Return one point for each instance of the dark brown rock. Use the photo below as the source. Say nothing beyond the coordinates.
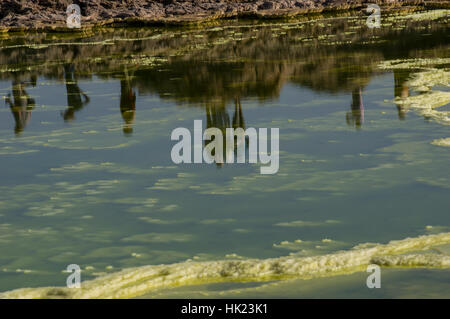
(50, 14)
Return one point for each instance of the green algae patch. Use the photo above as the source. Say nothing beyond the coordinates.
(426, 83)
(442, 142)
(416, 63)
(301, 223)
(427, 15)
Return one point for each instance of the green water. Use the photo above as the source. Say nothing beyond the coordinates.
(87, 177)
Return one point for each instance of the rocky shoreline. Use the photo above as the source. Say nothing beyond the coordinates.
(50, 15)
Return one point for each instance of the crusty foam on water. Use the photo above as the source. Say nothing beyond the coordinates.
(133, 282)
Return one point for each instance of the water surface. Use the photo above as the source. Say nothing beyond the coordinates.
(87, 178)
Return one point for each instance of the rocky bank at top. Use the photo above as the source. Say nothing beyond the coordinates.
(51, 14)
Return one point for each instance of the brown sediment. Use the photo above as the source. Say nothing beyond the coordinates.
(50, 15)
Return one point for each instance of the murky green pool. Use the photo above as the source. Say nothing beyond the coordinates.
(86, 175)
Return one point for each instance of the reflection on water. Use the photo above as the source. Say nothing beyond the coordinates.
(222, 65)
(217, 117)
(21, 104)
(216, 114)
(74, 94)
(90, 180)
(127, 103)
(356, 116)
(401, 89)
